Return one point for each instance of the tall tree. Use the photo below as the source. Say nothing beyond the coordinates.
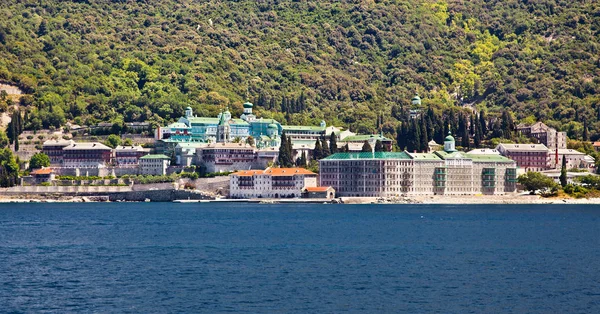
(563, 172)
(424, 135)
(284, 159)
(332, 143)
(318, 151)
(483, 124)
(367, 148)
(379, 146)
(586, 137)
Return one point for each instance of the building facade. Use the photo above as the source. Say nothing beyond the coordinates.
(54, 150)
(544, 135)
(271, 183)
(128, 156)
(529, 157)
(154, 165)
(86, 155)
(393, 174)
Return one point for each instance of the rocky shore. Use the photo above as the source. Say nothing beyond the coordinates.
(470, 199)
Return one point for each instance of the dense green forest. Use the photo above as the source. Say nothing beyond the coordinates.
(349, 62)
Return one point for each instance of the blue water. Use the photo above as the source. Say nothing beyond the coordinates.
(214, 258)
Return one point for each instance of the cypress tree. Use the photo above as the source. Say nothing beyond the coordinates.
(332, 144)
(283, 157)
(563, 173)
(424, 136)
(464, 133)
(289, 152)
(477, 137)
(318, 151)
(17, 144)
(379, 146)
(484, 129)
(585, 131)
(401, 135)
(367, 148)
(43, 28)
(414, 137)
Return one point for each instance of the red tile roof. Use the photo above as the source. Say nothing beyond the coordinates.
(596, 144)
(287, 171)
(247, 173)
(42, 171)
(317, 188)
(275, 172)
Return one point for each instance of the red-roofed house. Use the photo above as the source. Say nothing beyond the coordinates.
(43, 175)
(271, 183)
(318, 192)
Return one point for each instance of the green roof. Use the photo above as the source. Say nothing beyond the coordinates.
(425, 156)
(264, 121)
(203, 120)
(159, 156)
(178, 125)
(488, 158)
(362, 138)
(239, 121)
(474, 157)
(248, 105)
(303, 128)
(367, 155)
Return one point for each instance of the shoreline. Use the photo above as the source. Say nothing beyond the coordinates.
(517, 199)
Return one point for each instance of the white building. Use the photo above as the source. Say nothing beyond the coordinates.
(391, 174)
(574, 159)
(86, 155)
(155, 165)
(271, 183)
(128, 156)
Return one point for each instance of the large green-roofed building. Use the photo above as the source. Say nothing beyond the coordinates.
(391, 174)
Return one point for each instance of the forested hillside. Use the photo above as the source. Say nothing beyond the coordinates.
(300, 61)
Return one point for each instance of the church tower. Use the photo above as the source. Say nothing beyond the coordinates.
(449, 143)
(223, 129)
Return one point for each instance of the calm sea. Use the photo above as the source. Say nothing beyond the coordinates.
(214, 258)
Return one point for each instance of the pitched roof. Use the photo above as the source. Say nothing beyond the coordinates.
(247, 173)
(129, 148)
(563, 151)
(58, 142)
(42, 171)
(303, 128)
(87, 146)
(367, 155)
(275, 172)
(178, 125)
(524, 147)
(287, 171)
(362, 138)
(159, 156)
(317, 188)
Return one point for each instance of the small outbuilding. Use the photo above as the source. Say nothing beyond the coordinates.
(43, 175)
(318, 192)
